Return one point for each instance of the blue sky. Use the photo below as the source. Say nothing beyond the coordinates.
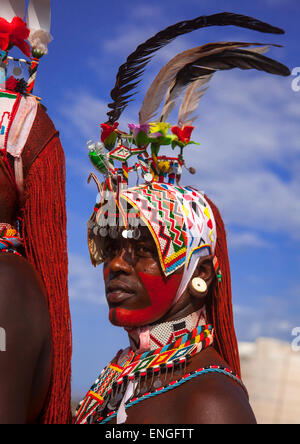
(248, 161)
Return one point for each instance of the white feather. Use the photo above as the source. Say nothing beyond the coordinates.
(39, 23)
(171, 100)
(12, 8)
(39, 15)
(191, 100)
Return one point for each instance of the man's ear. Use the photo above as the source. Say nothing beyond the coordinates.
(204, 272)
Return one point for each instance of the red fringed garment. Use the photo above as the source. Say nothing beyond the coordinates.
(44, 232)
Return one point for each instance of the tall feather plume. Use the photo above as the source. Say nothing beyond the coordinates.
(133, 68)
(167, 79)
(207, 66)
(191, 101)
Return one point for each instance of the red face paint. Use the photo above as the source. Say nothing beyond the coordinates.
(161, 292)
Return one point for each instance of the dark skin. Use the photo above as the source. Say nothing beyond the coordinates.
(208, 399)
(25, 366)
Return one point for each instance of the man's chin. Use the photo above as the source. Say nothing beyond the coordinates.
(121, 317)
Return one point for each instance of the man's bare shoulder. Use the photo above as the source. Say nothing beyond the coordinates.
(215, 398)
(22, 294)
(24, 319)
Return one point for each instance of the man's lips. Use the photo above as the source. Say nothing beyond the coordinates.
(117, 292)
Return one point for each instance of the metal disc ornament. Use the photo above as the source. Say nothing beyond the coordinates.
(136, 234)
(103, 232)
(157, 384)
(113, 233)
(17, 71)
(148, 177)
(96, 230)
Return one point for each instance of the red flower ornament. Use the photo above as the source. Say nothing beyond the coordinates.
(11, 84)
(183, 134)
(107, 130)
(14, 34)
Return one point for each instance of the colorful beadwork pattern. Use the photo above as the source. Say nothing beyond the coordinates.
(129, 367)
(10, 240)
(174, 384)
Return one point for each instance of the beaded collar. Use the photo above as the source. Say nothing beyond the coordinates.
(157, 335)
(109, 389)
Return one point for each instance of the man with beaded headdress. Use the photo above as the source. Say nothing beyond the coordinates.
(34, 307)
(163, 245)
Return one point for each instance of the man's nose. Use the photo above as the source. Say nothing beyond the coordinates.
(122, 262)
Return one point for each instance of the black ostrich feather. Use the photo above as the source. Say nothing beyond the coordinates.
(205, 67)
(130, 72)
(229, 59)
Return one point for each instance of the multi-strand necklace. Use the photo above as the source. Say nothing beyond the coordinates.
(148, 370)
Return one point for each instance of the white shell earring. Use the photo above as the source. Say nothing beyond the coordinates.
(199, 285)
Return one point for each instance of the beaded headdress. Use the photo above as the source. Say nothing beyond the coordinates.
(179, 218)
(19, 74)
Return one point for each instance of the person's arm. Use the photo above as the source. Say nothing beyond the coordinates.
(24, 319)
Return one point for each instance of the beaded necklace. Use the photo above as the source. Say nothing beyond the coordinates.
(108, 390)
(96, 417)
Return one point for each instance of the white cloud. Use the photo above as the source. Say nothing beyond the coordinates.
(127, 39)
(246, 239)
(84, 112)
(143, 11)
(85, 281)
(270, 318)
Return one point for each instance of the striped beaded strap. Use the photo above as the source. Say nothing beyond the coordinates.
(10, 239)
(202, 371)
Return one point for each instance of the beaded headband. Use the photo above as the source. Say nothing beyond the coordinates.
(179, 218)
(14, 32)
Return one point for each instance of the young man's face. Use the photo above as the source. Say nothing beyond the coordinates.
(137, 292)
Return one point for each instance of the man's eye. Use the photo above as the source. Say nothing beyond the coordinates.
(109, 250)
(144, 250)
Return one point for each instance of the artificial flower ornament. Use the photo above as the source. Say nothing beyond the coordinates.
(109, 135)
(14, 33)
(136, 129)
(140, 134)
(183, 134)
(159, 127)
(11, 84)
